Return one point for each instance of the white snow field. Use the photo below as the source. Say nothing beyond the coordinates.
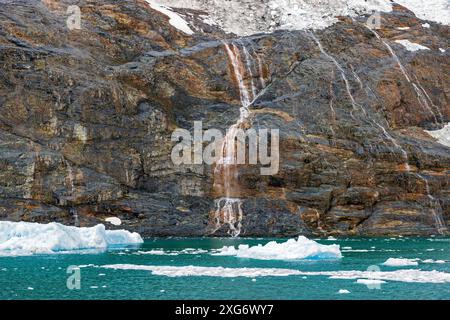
(246, 17)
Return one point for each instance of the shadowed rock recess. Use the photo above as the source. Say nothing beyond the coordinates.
(86, 118)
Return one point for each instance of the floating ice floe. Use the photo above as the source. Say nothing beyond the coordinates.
(370, 281)
(442, 135)
(414, 275)
(176, 271)
(174, 19)
(433, 261)
(302, 248)
(24, 238)
(411, 46)
(161, 252)
(399, 262)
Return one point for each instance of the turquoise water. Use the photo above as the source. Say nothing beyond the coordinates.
(45, 276)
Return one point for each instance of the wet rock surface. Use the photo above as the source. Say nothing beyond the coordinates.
(86, 118)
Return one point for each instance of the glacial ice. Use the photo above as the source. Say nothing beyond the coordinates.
(185, 271)
(250, 17)
(302, 248)
(399, 262)
(25, 238)
(365, 277)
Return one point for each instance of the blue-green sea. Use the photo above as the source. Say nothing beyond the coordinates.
(48, 276)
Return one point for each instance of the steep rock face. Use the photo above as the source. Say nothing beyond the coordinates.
(87, 116)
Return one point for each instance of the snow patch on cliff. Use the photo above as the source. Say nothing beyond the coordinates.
(299, 249)
(246, 17)
(411, 46)
(442, 135)
(433, 10)
(24, 238)
(174, 19)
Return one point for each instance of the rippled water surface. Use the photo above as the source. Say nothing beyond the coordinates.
(190, 269)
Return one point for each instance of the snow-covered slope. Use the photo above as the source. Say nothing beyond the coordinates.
(442, 135)
(23, 238)
(244, 17)
(433, 10)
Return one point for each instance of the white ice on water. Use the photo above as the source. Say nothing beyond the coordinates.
(400, 262)
(366, 277)
(302, 248)
(25, 238)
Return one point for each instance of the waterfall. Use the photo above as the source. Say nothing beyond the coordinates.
(434, 203)
(344, 77)
(420, 93)
(71, 192)
(229, 212)
(422, 97)
(229, 206)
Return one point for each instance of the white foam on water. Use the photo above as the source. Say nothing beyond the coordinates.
(400, 262)
(25, 238)
(343, 291)
(411, 46)
(302, 248)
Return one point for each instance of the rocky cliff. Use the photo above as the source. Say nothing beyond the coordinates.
(86, 118)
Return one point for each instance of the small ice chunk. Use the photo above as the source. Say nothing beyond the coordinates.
(399, 262)
(370, 281)
(174, 19)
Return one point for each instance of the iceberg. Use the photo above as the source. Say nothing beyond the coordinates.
(302, 248)
(25, 238)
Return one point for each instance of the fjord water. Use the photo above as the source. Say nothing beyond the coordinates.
(45, 276)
